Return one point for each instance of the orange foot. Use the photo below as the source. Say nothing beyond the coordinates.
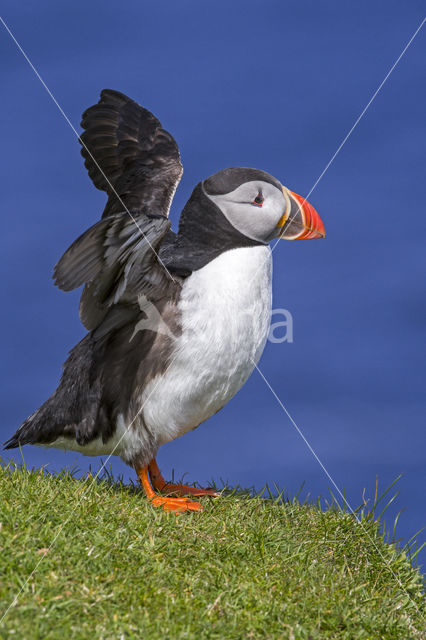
(160, 484)
(168, 504)
(176, 504)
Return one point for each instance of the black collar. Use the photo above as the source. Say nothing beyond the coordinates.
(204, 233)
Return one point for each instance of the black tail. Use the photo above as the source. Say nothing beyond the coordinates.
(22, 436)
(72, 410)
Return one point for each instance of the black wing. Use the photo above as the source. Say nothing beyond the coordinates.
(117, 261)
(129, 155)
(137, 163)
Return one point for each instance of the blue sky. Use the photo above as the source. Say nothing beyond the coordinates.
(273, 85)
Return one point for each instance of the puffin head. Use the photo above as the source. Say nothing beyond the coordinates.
(258, 206)
(238, 207)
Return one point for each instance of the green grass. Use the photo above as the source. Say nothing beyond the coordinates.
(247, 567)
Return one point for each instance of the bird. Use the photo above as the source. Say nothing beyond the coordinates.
(176, 321)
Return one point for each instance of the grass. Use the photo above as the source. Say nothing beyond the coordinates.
(247, 567)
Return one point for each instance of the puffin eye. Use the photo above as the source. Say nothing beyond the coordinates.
(259, 200)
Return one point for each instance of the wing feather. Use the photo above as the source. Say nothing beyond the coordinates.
(117, 264)
(129, 155)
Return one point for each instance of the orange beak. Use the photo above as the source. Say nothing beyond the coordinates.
(300, 221)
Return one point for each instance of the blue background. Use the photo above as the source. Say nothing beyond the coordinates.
(273, 85)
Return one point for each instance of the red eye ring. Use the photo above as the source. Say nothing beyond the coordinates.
(259, 200)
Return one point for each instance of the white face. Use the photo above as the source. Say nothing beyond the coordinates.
(254, 209)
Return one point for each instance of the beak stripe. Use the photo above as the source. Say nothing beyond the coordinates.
(284, 217)
(314, 227)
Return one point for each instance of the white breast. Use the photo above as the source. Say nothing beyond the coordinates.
(226, 309)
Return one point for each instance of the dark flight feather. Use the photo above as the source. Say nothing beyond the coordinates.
(117, 263)
(128, 154)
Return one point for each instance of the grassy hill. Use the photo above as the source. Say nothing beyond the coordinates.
(92, 559)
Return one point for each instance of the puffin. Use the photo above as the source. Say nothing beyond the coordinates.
(176, 321)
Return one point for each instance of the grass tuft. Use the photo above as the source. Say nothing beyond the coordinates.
(247, 567)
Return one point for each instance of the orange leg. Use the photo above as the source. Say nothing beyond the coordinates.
(160, 484)
(168, 504)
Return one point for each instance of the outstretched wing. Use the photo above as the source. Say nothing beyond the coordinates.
(129, 155)
(117, 261)
(137, 163)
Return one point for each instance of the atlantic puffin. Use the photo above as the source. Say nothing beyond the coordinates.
(176, 321)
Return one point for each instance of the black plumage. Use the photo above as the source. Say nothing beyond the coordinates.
(129, 155)
(200, 241)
